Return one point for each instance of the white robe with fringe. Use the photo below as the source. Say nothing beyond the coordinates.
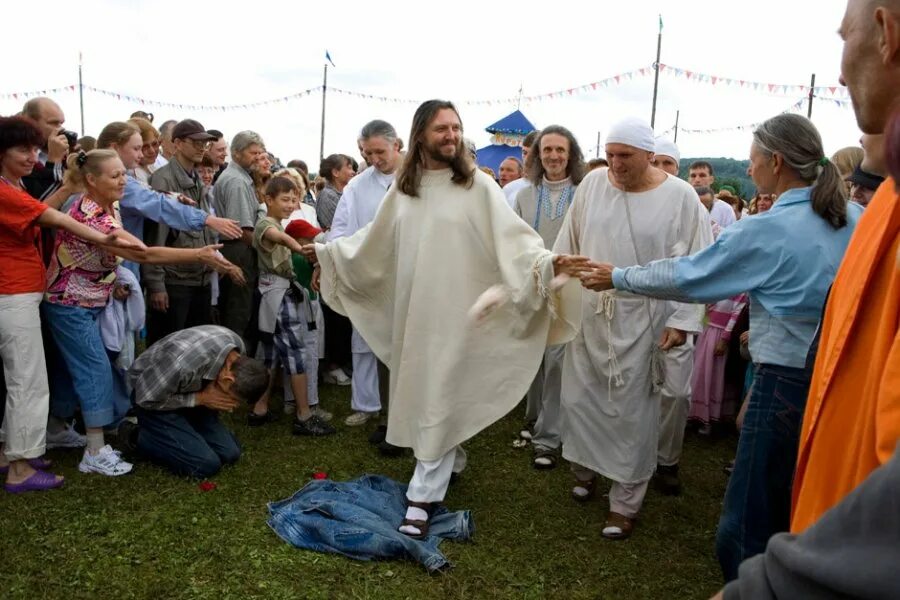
(613, 370)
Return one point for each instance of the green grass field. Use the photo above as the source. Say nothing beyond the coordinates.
(152, 535)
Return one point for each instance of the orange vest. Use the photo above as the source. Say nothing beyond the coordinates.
(852, 420)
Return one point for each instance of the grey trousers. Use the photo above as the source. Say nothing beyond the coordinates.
(675, 403)
(546, 430)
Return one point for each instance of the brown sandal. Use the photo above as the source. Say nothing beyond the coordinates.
(422, 526)
(623, 523)
(590, 486)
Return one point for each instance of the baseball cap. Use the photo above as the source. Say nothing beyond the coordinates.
(870, 181)
(192, 130)
(302, 229)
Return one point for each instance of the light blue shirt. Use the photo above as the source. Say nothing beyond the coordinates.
(141, 202)
(785, 258)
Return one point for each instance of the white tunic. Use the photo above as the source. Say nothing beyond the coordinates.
(610, 404)
(408, 281)
(357, 208)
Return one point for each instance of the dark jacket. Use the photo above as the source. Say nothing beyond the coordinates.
(173, 178)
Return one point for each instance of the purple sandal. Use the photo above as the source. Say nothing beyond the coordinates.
(39, 482)
(38, 464)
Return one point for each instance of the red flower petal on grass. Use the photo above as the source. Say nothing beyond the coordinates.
(320, 475)
(206, 486)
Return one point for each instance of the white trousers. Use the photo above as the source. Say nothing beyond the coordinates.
(24, 429)
(432, 477)
(364, 395)
(675, 403)
(624, 498)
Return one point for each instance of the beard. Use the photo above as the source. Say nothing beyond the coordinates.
(435, 153)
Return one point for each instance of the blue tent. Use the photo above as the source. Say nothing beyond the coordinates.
(506, 140)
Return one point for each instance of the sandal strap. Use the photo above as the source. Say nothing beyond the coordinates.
(426, 506)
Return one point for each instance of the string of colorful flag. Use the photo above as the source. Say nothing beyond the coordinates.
(746, 127)
(834, 94)
(759, 86)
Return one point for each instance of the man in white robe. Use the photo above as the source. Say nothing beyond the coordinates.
(675, 399)
(630, 213)
(444, 235)
(357, 208)
(556, 170)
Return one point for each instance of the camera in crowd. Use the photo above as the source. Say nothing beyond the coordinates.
(71, 137)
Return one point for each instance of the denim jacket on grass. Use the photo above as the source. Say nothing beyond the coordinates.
(359, 519)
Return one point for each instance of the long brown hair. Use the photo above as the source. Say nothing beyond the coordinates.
(411, 172)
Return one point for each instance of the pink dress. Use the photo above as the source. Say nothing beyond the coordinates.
(708, 378)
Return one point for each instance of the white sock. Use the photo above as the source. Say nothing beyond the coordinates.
(612, 530)
(95, 442)
(414, 513)
(580, 491)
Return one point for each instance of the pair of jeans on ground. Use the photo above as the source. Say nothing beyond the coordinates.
(758, 498)
(359, 519)
(190, 442)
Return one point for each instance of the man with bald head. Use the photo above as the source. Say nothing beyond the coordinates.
(852, 420)
(47, 175)
(627, 214)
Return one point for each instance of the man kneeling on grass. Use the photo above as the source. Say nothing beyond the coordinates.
(180, 385)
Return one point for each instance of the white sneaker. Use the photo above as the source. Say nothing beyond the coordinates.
(336, 377)
(106, 462)
(321, 412)
(67, 438)
(359, 418)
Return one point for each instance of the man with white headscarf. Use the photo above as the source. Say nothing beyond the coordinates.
(613, 372)
(675, 400)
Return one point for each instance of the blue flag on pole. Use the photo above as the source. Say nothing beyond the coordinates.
(328, 58)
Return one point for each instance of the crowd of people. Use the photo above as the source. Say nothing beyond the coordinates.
(153, 278)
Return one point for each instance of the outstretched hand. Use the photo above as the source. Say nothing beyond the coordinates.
(597, 277)
(309, 253)
(211, 257)
(227, 228)
(123, 240)
(570, 264)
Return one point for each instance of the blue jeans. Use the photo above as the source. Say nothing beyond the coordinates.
(359, 519)
(758, 498)
(86, 367)
(190, 442)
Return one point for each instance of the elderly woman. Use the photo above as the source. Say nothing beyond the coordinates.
(22, 285)
(785, 259)
(80, 280)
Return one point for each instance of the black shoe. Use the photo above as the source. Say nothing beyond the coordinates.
(313, 426)
(255, 420)
(391, 450)
(378, 436)
(666, 480)
(128, 439)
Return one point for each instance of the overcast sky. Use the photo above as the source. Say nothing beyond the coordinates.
(216, 53)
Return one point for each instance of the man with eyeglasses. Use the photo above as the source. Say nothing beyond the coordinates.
(179, 295)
